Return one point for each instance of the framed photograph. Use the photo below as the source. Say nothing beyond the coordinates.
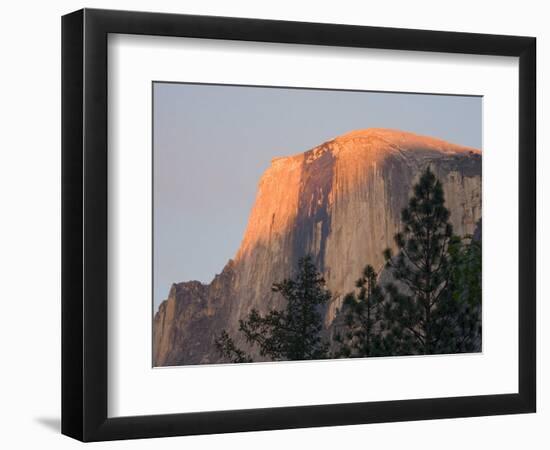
(273, 224)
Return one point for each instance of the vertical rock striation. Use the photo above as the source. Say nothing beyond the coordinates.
(340, 202)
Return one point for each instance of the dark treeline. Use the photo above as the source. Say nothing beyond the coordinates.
(431, 303)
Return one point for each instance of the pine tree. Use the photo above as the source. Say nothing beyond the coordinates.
(419, 311)
(227, 347)
(465, 291)
(362, 313)
(290, 334)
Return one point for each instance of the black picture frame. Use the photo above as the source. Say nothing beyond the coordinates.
(84, 224)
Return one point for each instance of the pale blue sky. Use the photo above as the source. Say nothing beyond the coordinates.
(213, 142)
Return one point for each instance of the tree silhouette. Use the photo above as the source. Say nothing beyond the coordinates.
(362, 313)
(290, 334)
(420, 310)
(227, 348)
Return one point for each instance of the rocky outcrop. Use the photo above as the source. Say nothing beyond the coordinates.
(340, 202)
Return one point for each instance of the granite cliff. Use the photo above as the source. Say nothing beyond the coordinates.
(340, 202)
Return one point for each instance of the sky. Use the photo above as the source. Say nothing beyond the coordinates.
(211, 144)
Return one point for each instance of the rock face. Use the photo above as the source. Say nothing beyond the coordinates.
(340, 202)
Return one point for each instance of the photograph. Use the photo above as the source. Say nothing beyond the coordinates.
(275, 225)
(294, 224)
